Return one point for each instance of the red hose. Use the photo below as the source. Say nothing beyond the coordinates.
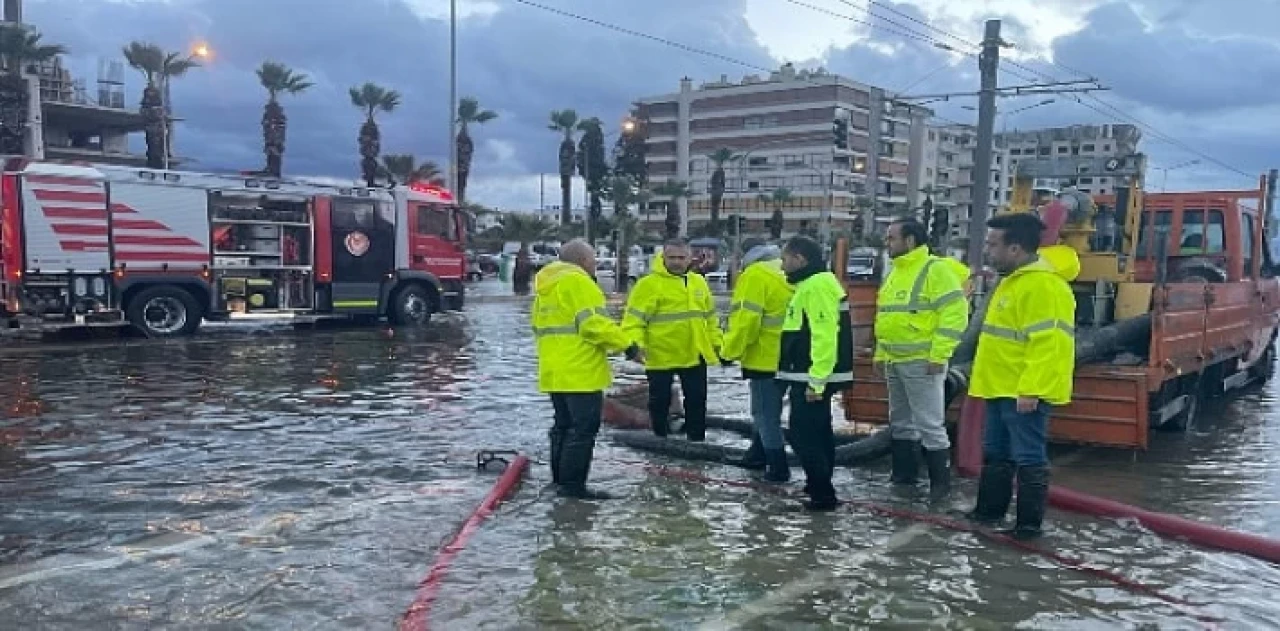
(415, 618)
(1184, 606)
(1206, 535)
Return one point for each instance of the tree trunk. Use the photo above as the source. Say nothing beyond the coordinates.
(370, 146)
(466, 150)
(671, 227)
(274, 123)
(717, 198)
(13, 114)
(152, 110)
(567, 155)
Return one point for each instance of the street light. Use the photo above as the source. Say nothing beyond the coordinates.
(202, 51)
(627, 126)
(1164, 177)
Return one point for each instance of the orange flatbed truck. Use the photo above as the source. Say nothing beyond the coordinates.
(1189, 281)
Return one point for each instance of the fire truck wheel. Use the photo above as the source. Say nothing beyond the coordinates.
(411, 306)
(164, 312)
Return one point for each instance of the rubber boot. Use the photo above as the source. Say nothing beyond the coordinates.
(754, 459)
(575, 465)
(557, 450)
(939, 464)
(906, 462)
(995, 489)
(1033, 495)
(777, 469)
(582, 492)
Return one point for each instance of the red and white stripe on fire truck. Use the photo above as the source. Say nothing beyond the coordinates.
(71, 230)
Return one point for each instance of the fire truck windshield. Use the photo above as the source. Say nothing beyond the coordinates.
(437, 220)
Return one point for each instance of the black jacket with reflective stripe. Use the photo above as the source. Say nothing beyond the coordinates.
(819, 295)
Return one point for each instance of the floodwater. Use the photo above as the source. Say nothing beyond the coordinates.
(261, 479)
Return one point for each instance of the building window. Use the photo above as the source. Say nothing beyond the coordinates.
(1086, 180)
(1044, 151)
(1063, 150)
(1106, 147)
(932, 136)
(928, 172)
(1088, 148)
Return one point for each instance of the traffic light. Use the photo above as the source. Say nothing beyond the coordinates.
(941, 226)
(840, 131)
(741, 223)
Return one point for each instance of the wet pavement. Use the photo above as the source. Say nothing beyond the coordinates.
(266, 479)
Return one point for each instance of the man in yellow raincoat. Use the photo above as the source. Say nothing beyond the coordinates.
(573, 334)
(1024, 366)
(671, 315)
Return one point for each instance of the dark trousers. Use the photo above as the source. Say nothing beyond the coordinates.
(573, 436)
(813, 440)
(1010, 435)
(693, 381)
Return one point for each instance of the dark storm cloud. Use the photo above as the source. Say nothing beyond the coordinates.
(522, 62)
(1168, 67)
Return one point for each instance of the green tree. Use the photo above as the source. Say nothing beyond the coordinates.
(719, 158)
(159, 68)
(525, 229)
(405, 169)
(630, 150)
(778, 198)
(469, 113)
(19, 48)
(676, 190)
(565, 122)
(591, 163)
(278, 79)
(371, 99)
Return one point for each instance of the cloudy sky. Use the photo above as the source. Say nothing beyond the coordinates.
(1204, 74)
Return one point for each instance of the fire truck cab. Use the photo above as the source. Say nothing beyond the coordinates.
(97, 245)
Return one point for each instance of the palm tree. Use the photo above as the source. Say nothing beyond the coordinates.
(278, 79)
(159, 68)
(591, 163)
(624, 192)
(778, 198)
(719, 158)
(675, 189)
(565, 122)
(19, 48)
(372, 98)
(469, 112)
(525, 229)
(404, 169)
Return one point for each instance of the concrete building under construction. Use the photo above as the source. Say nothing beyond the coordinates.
(68, 122)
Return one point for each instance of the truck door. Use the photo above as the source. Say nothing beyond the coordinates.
(363, 238)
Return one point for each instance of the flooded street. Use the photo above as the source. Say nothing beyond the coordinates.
(268, 479)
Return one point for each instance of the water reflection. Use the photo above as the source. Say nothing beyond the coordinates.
(279, 480)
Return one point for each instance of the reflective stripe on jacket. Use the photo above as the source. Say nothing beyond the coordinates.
(1027, 345)
(673, 318)
(921, 313)
(817, 335)
(573, 332)
(755, 319)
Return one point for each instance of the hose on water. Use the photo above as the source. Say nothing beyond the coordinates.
(1182, 605)
(415, 618)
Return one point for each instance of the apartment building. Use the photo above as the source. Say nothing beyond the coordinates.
(1093, 141)
(944, 166)
(782, 132)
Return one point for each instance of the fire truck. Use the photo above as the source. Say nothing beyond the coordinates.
(161, 251)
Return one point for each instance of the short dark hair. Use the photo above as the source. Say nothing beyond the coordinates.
(676, 242)
(806, 247)
(911, 227)
(1020, 229)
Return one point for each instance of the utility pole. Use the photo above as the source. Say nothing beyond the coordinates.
(988, 63)
(453, 95)
(586, 193)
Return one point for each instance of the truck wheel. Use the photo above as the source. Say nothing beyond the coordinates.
(164, 312)
(411, 306)
(1265, 368)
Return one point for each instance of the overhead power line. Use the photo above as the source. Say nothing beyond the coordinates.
(1102, 107)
